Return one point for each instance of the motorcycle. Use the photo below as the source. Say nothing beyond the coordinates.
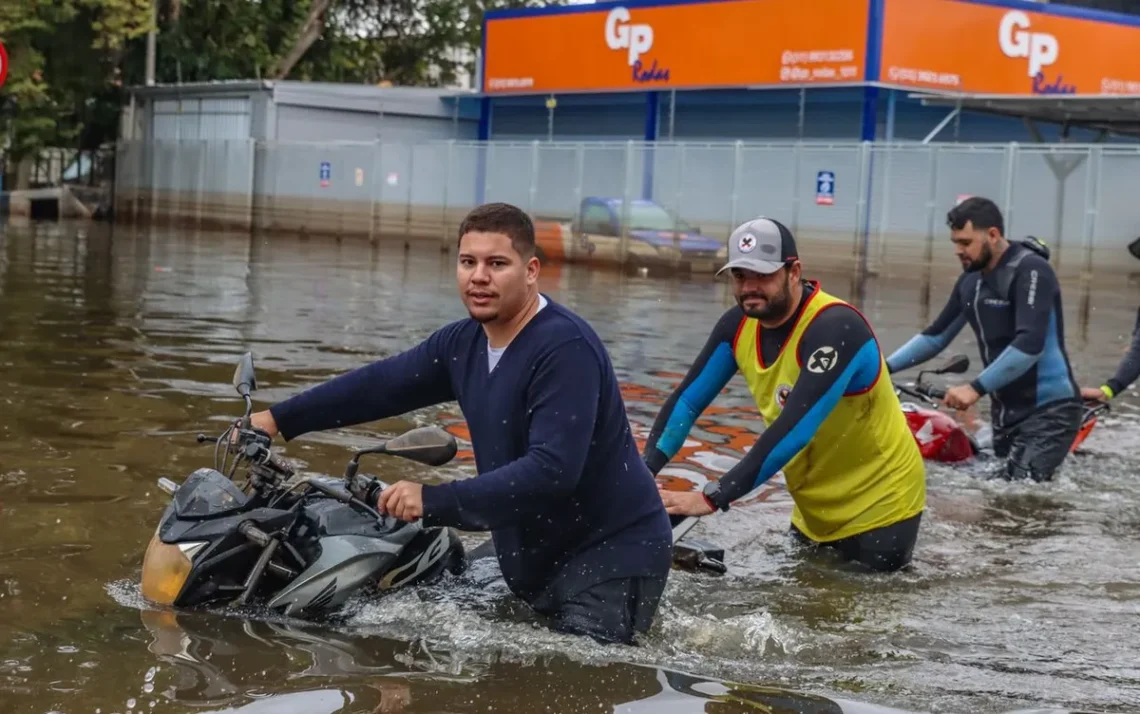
(941, 438)
(295, 546)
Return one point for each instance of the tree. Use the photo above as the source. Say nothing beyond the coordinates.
(64, 57)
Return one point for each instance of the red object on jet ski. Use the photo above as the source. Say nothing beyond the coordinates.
(938, 436)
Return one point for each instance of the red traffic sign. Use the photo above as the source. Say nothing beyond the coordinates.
(3, 64)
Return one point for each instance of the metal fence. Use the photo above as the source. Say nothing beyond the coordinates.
(887, 208)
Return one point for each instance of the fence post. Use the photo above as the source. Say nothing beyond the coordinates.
(411, 187)
(273, 220)
(580, 169)
(677, 203)
(443, 237)
(884, 210)
(626, 202)
(154, 174)
(797, 159)
(199, 189)
(533, 177)
(374, 172)
(861, 207)
(932, 201)
(737, 169)
(1092, 203)
(1011, 157)
(488, 169)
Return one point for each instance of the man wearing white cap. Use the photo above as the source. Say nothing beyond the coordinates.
(833, 423)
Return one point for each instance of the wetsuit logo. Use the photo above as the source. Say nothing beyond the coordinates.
(822, 360)
(782, 393)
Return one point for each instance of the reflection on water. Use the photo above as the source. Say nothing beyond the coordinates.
(116, 349)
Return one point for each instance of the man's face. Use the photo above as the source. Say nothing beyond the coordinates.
(974, 247)
(492, 277)
(765, 297)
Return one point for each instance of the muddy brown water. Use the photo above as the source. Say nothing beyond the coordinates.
(117, 347)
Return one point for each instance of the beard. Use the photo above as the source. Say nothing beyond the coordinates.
(982, 261)
(775, 305)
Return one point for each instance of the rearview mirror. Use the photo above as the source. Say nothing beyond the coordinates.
(429, 445)
(245, 381)
(955, 365)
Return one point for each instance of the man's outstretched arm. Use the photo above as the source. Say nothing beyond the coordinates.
(709, 374)
(402, 383)
(928, 343)
(855, 367)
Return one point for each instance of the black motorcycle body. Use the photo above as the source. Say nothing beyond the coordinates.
(300, 547)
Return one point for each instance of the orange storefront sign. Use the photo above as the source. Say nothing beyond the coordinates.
(952, 45)
(707, 44)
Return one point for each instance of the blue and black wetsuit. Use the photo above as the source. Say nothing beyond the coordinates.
(1015, 312)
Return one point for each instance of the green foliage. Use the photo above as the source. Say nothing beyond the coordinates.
(63, 56)
(71, 59)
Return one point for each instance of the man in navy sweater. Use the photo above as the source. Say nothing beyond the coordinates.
(578, 526)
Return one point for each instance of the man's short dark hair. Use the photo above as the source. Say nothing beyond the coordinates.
(503, 218)
(981, 212)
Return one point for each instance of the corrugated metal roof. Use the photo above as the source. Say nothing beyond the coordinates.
(239, 86)
(408, 101)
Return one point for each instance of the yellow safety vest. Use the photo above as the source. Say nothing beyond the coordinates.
(863, 469)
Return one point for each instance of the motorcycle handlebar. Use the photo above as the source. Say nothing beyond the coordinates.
(923, 392)
(935, 393)
(277, 464)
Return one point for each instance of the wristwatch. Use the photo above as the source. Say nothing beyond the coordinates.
(711, 492)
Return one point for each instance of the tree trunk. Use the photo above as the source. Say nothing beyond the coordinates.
(310, 31)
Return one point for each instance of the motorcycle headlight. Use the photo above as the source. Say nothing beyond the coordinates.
(166, 566)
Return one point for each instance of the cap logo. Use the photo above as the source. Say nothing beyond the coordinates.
(747, 243)
(768, 248)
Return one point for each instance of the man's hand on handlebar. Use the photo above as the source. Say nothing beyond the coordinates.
(258, 421)
(961, 397)
(264, 420)
(403, 499)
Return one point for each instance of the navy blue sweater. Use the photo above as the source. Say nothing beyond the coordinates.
(560, 483)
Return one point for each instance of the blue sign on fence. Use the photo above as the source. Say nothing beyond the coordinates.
(326, 173)
(825, 188)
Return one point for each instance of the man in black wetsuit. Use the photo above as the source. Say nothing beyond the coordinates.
(1009, 295)
(1129, 368)
(1126, 372)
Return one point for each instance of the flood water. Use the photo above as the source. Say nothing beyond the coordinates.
(117, 347)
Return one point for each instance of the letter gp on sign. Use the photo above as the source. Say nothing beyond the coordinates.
(1041, 48)
(637, 38)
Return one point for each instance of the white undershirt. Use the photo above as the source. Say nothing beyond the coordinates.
(494, 353)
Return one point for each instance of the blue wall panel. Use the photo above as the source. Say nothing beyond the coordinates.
(829, 114)
(580, 117)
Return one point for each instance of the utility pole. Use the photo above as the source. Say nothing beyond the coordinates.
(150, 41)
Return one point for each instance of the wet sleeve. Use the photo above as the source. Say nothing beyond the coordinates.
(1129, 368)
(708, 375)
(933, 339)
(840, 356)
(402, 383)
(1033, 295)
(562, 406)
